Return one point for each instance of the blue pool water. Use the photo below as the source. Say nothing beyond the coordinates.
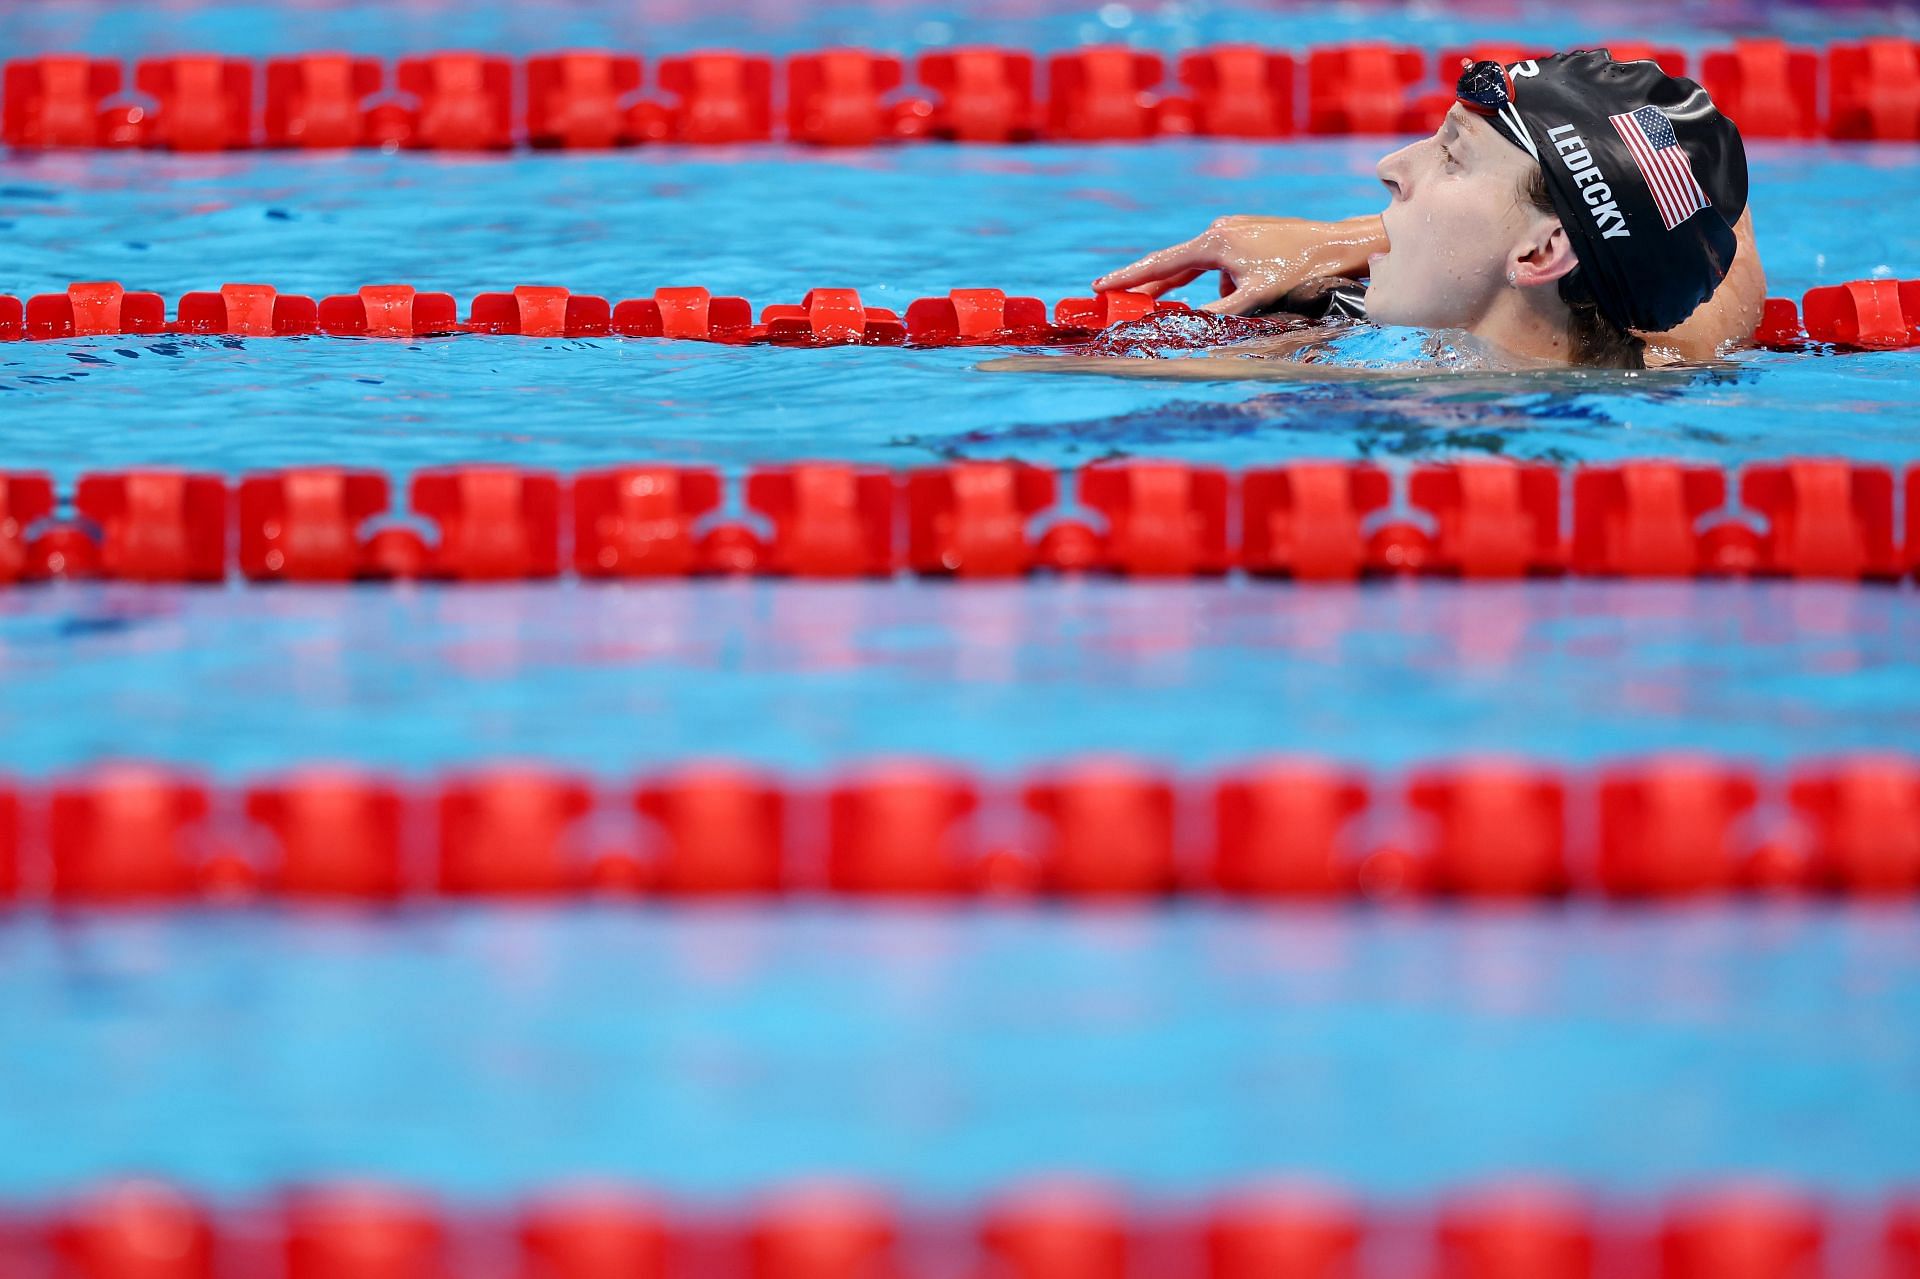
(770, 224)
(480, 1053)
(716, 1052)
(809, 678)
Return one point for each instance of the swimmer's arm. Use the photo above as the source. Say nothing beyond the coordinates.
(1728, 319)
(1260, 259)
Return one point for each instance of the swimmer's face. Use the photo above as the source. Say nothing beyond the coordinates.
(1457, 225)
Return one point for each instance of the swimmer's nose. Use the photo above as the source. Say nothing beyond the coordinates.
(1392, 172)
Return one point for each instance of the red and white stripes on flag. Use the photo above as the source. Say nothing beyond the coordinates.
(1663, 163)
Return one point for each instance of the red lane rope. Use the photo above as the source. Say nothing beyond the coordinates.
(1859, 315)
(1322, 521)
(1036, 1230)
(464, 101)
(823, 317)
(1665, 828)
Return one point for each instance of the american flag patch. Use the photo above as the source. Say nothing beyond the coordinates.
(1663, 163)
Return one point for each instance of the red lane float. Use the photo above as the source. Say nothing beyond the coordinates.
(971, 519)
(720, 98)
(1642, 519)
(1769, 89)
(512, 832)
(1054, 1230)
(1672, 828)
(574, 99)
(202, 102)
(1057, 1231)
(828, 520)
(134, 1228)
(96, 309)
(1824, 519)
(1517, 1232)
(1366, 88)
(974, 315)
(1282, 1229)
(496, 523)
(320, 101)
(25, 500)
(1492, 831)
(1239, 91)
(1287, 829)
(333, 1230)
(1864, 314)
(824, 1231)
(904, 830)
(1780, 328)
(1304, 520)
(1875, 89)
(9, 841)
(828, 317)
(1913, 521)
(593, 1233)
(1492, 519)
(1762, 1232)
(1164, 519)
(842, 98)
(639, 521)
(126, 836)
(1862, 821)
(1103, 93)
(59, 101)
(980, 95)
(157, 526)
(540, 311)
(1659, 829)
(388, 311)
(331, 834)
(582, 100)
(1108, 309)
(1861, 315)
(1327, 521)
(247, 310)
(457, 102)
(688, 314)
(1103, 829)
(715, 831)
(305, 525)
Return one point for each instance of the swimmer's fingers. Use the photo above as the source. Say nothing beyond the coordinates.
(1195, 257)
(1249, 296)
(1155, 288)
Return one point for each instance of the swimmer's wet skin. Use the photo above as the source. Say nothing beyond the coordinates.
(1618, 185)
(1255, 368)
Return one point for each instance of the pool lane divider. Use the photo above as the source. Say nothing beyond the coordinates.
(1858, 315)
(1306, 521)
(1658, 829)
(591, 99)
(1059, 1228)
(823, 317)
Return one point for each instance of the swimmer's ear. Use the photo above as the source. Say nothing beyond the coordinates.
(1544, 257)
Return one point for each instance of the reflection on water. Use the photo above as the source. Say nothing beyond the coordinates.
(717, 1051)
(611, 678)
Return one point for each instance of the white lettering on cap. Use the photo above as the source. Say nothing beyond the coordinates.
(1579, 161)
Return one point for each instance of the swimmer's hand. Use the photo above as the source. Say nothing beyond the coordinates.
(1260, 259)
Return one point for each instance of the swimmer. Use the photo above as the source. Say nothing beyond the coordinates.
(1571, 211)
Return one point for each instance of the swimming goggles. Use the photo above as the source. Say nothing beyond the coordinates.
(1486, 88)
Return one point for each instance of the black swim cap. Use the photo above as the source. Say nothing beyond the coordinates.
(1647, 176)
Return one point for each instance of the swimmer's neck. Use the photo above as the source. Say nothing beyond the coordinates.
(1525, 328)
